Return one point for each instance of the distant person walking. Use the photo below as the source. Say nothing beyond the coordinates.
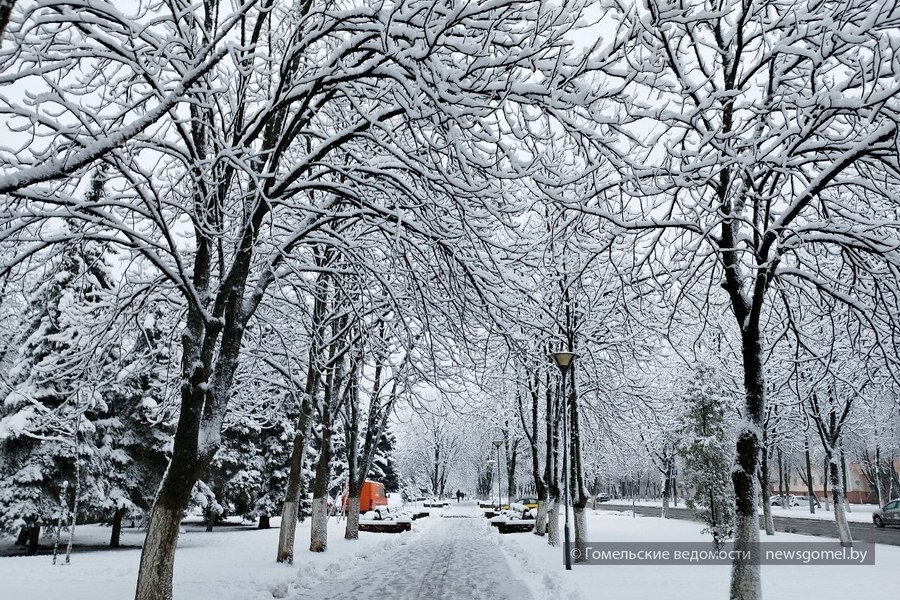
(459, 496)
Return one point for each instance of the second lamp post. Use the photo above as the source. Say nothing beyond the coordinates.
(497, 444)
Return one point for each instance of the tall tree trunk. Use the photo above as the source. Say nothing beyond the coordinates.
(765, 492)
(351, 438)
(531, 433)
(290, 508)
(292, 497)
(879, 481)
(667, 487)
(158, 553)
(553, 522)
(116, 534)
(846, 481)
(319, 535)
(837, 494)
(810, 491)
(32, 539)
(782, 492)
(745, 576)
(158, 556)
(22, 538)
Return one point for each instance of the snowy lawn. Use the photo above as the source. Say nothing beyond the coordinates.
(541, 567)
(859, 513)
(231, 563)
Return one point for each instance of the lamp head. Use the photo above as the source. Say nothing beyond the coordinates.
(498, 443)
(563, 360)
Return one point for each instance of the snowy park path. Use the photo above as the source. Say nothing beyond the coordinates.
(455, 559)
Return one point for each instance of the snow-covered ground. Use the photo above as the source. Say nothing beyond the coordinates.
(231, 563)
(454, 554)
(541, 567)
(859, 513)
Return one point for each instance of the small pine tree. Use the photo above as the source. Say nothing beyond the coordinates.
(706, 454)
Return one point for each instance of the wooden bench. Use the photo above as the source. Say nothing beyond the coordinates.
(514, 526)
(386, 527)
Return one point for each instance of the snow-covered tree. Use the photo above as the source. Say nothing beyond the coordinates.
(706, 452)
(134, 435)
(384, 466)
(47, 431)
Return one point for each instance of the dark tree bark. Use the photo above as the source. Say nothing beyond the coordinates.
(6, 7)
(811, 492)
(34, 538)
(116, 533)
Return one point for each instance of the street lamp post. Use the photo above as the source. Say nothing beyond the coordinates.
(497, 444)
(564, 360)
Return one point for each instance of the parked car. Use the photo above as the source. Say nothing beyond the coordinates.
(603, 498)
(889, 514)
(804, 501)
(791, 501)
(528, 501)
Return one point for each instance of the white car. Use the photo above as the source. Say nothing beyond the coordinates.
(790, 501)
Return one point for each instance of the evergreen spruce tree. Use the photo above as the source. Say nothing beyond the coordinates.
(384, 468)
(134, 435)
(51, 394)
(707, 454)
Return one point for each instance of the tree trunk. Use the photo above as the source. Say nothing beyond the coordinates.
(158, 555)
(352, 530)
(319, 535)
(264, 522)
(318, 541)
(22, 539)
(782, 493)
(33, 540)
(810, 491)
(291, 506)
(764, 490)
(553, 523)
(667, 485)
(116, 534)
(846, 481)
(540, 519)
(580, 533)
(289, 510)
(745, 576)
(840, 517)
(879, 480)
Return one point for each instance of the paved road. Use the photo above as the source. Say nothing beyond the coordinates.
(456, 559)
(861, 532)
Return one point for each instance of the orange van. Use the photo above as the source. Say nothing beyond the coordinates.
(371, 497)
